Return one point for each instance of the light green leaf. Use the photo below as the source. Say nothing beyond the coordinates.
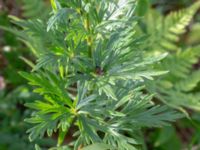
(98, 146)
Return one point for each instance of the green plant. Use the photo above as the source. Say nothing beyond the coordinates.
(177, 88)
(14, 91)
(177, 34)
(12, 115)
(91, 71)
(34, 9)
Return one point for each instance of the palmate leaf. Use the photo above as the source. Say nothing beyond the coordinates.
(51, 116)
(47, 123)
(119, 64)
(136, 106)
(142, 113)
(132, 111)
(55, 86)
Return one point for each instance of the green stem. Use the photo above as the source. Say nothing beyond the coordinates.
(89, 38)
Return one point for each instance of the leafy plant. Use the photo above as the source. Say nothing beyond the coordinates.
(34, 9)
(91, 70)
(14, 91)
(175, 33)
(177, 88)
(12, 115)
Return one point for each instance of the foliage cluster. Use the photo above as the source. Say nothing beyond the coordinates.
(106, 70)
